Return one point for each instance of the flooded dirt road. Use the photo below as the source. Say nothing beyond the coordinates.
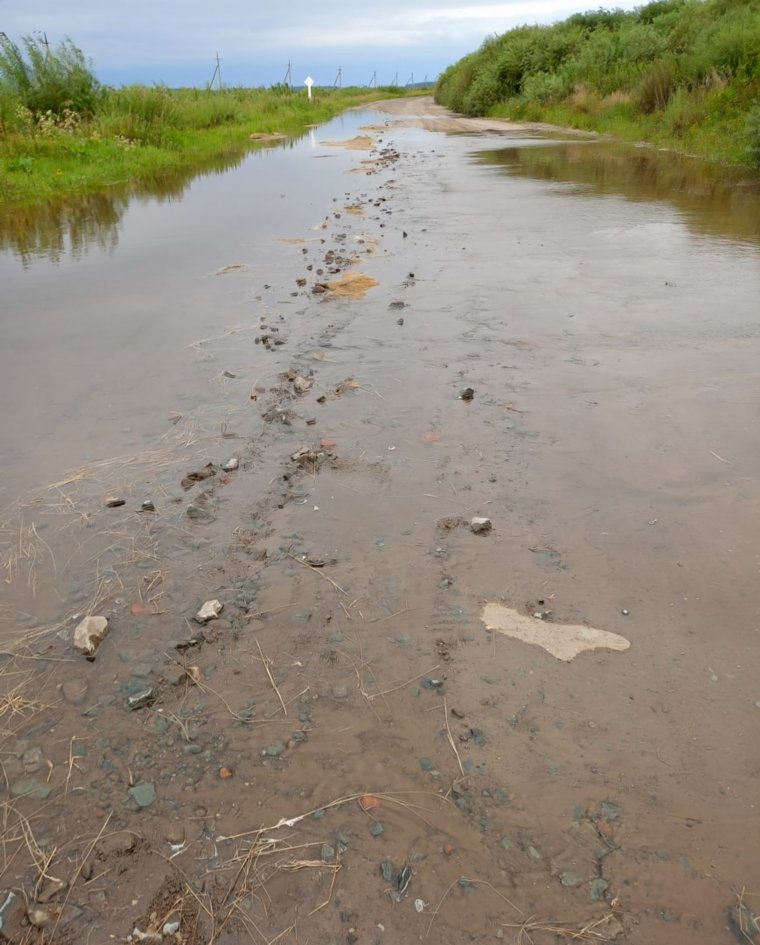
(540, 400)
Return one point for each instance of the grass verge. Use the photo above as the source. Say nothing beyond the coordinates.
(140, 134)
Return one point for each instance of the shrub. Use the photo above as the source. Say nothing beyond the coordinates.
(45, 80)
(656, 87)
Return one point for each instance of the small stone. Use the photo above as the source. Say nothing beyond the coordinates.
(171, 927)
(117, 844)
(209, 611)
(480, 525)
(301, 384)
(39, 918)
(175, 834)
(143, 794)
(625, 611)
(467, 394)
(147, 506)
(231, 464)
(327, 852)
(142, 699)
(32, 760)
(533, 853)
(386, 871)
(198, 513)
(426, 764)
(570, 879)
(274, 751)
(598, 889)
(31, 787)
(339, 692)
(377, 829)
(114, 502)
(89, 634)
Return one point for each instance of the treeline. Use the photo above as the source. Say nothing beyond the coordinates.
(676, 71)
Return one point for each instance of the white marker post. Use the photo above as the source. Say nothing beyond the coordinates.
(308, 82)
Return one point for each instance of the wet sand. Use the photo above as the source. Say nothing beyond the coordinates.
(347, 753)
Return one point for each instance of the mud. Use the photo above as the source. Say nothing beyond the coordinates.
(345, 753)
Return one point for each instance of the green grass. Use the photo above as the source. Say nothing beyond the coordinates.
(139, 133)
(680, 73)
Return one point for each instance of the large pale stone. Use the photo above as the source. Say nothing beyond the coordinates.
(89, 634)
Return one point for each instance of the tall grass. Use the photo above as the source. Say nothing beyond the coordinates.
(671, 68)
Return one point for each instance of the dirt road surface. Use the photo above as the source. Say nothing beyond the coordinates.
(558, 336)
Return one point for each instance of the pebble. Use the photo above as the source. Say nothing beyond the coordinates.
(142, 699)
(339, 692)
(175, 834)
(231, 464)
(327, 852)
(32, 760)
(31, 787)
(89, 634)
(114, 502)
(39, 918)
(143, 794)
(209, 611)
(377, 829)
(480, 525)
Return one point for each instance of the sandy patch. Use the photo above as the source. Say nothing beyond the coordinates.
(351, 285)
(563, 641)
(267, 136)
(354, 211)
(233, 267)
(359, 143)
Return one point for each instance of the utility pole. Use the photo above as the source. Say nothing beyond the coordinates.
(336, 84)
(395, 80)
(217, 74)
(373, 80)
(288, 80)
(411, 80)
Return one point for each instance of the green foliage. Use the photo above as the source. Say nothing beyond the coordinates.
(47, 80)
(753, 136)
(654, 68)
(139, 132)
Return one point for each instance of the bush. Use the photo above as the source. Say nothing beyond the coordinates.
(656, 87)
(48, 81)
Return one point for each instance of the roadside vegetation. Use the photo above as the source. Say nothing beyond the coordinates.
(678, 73)
(62, 132)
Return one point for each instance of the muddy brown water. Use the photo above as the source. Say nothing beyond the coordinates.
(602, 304)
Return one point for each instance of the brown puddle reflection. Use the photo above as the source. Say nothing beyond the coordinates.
(713, 201)
(72, 224)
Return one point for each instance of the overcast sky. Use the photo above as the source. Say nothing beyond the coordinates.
(175, 41)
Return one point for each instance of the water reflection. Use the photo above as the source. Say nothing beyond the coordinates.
(714, 201)
(70, 226)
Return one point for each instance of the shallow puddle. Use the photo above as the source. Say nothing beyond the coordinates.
(561, 338)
